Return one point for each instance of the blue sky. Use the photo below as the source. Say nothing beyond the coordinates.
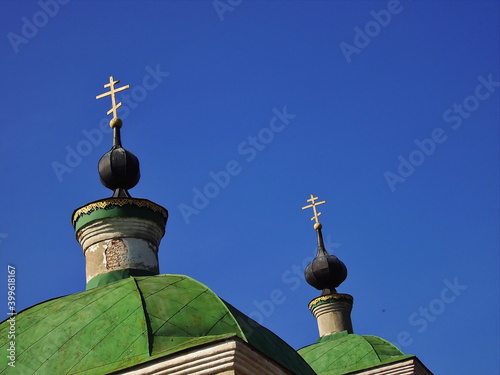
(387, 110)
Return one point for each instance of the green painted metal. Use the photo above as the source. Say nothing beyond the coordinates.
(268, 343)
(129, 322)
(81, 331)
(342, 353)
(339, 298)
(127, 210)
(111, 277)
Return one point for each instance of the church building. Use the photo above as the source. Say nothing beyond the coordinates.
(131, 320)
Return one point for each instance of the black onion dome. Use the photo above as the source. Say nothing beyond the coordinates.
(119, 169)
(326, 272)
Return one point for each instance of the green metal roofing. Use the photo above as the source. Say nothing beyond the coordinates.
(113, 276)
(343, 353)
(129, 322)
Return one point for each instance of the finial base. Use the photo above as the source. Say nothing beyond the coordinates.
(333, 313)
(121, 193)
(120, 235)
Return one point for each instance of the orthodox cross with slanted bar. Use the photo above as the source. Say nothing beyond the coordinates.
(112, 91)
(313, 205)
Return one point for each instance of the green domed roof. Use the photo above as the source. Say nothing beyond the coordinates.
(341, 353)
(132, 321)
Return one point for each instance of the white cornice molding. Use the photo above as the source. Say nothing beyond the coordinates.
(231, 356)
(409, 366)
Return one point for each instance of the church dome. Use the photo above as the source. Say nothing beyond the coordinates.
(343, 353)
(132, 321)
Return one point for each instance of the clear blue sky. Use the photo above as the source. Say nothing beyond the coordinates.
(387, 110)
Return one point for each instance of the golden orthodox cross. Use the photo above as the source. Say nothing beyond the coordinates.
(313, 205)
(112, 91)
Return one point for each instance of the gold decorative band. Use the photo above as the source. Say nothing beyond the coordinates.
(119, 202)
(329, 297)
